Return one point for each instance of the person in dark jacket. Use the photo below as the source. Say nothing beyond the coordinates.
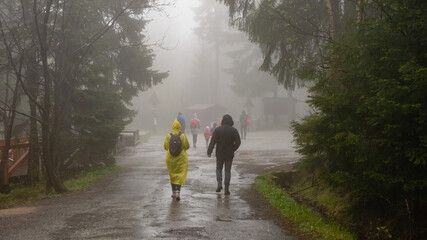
(227, 141)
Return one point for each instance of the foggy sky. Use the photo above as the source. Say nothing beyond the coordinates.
(172, 29)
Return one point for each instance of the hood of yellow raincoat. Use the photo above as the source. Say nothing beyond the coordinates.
(176, 127)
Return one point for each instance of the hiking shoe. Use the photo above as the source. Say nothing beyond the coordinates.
(177, 197)
(226, 192)
(218, 189)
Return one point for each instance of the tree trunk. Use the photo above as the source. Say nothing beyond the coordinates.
(217, 78)
(360, 15)
(34, 150)
(52, 179)
(350, 9)
(332, 28)
(8, 119)
(33, 75)
(217, 56)
(63, 85)
(3, 166)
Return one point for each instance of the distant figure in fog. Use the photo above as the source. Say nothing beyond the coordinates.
(213, 128)
(243, 124)
(155, 124)
(207, 135)
(227, 141)
(195, 126)
(176, 144)
(181, 121)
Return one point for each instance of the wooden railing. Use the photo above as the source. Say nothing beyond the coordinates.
(17, 162)
(128, 138)
(131, 137)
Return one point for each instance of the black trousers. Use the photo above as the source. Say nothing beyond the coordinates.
(176, 187)
(220, 162)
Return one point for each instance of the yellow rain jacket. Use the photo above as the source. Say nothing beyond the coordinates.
(177, 166)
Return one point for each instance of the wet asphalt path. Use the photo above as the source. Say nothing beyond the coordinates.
(135, 202)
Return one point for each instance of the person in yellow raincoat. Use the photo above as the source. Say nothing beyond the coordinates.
(177, 165)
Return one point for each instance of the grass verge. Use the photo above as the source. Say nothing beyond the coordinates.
(87, 178)
(21, 194)
(304, 220)
(333, 203)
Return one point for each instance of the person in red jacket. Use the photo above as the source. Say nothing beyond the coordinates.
(207, 135)
(195, 126)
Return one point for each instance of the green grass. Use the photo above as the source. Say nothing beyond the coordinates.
(86, 178)
(304, 220)
(21, 194)
(24, 194)
(335, 203)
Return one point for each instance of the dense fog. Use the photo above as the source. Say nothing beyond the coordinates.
(83, 81)
(205, 73)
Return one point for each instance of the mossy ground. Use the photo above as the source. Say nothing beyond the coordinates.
(22, 194)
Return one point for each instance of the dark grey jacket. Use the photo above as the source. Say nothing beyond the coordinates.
(226, 138)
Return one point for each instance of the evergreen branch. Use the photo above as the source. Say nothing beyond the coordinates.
(293, 25)
(101, 32)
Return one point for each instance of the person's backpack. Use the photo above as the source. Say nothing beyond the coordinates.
(195, 123)
(175, 144)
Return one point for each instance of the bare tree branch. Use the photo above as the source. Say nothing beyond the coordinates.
(19, 112)
(18, 72)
